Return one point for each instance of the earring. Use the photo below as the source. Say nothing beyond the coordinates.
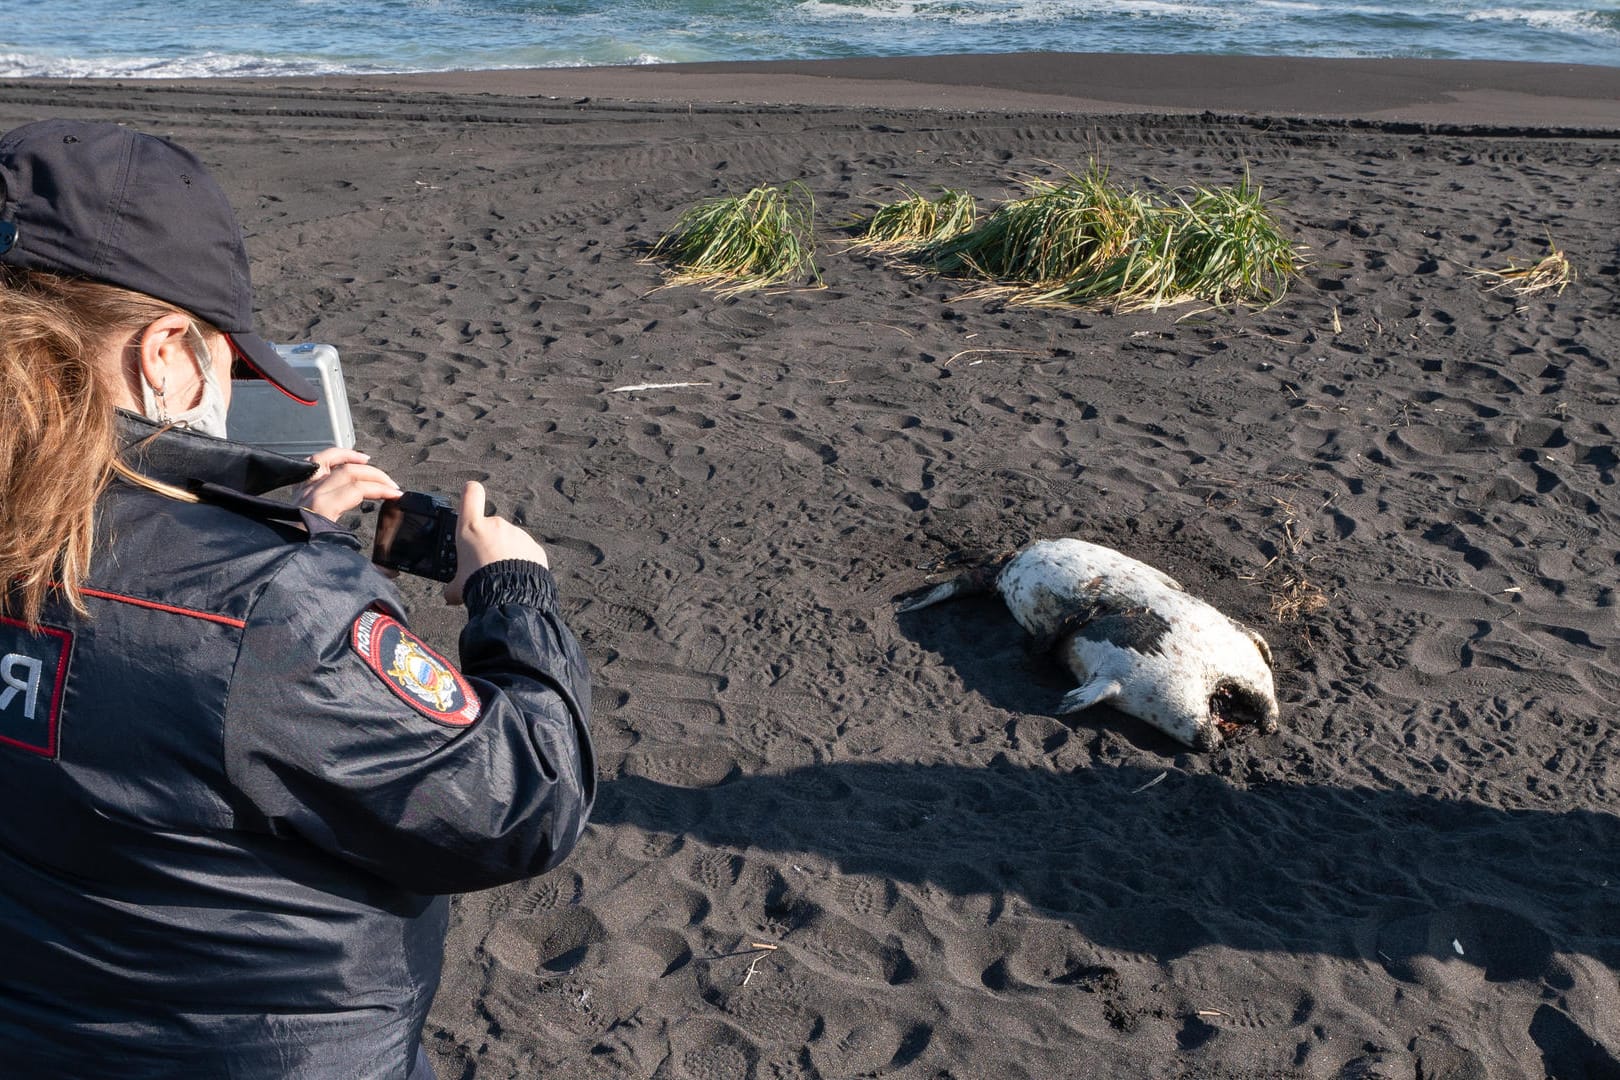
(162, 405)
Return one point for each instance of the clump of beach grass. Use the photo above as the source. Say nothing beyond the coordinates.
(1140, 277)
(1552, 271)
(1228, 248)
(1059, 232)
(1085, 242)
(1220, 246)
(734, 244)
(917, 221)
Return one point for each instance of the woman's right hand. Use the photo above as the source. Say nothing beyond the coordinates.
(483, 540)
(341, 482)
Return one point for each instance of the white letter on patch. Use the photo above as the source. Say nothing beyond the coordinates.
(29, 684)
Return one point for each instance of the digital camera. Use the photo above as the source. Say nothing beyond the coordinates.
(416, 534)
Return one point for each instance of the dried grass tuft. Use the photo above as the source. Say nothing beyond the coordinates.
(1294, 597)
(1552, 271)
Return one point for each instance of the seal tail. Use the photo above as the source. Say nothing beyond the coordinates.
(980, 579)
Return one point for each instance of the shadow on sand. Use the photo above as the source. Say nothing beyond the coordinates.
(1390, 877)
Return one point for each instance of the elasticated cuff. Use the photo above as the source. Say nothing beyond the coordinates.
(510, 581)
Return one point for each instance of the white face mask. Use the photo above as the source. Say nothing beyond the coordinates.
(209, 415)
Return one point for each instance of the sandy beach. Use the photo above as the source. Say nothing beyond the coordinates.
(834, 842)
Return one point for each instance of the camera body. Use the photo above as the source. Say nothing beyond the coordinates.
(416, 534)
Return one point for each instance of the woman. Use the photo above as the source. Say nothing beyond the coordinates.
(234, 788)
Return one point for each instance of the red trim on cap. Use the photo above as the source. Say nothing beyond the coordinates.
(223, 620)
(236, 350)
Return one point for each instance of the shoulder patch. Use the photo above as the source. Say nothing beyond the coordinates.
(420, 677)
(33, 674)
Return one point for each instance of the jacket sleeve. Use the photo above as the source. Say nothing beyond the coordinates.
(346, 730)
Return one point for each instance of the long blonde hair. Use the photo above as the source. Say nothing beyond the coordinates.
(58, 429)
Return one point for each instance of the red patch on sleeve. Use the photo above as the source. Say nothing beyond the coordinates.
(416, 674)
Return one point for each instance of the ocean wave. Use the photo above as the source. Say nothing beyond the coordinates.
(241, 65)
(85, 38)
(639, 60)
(981, 12)
(201, 66)
(1569, 21)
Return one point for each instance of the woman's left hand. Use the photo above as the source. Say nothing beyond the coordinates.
(342, 481)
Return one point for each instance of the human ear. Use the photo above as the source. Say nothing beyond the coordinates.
(165, 361)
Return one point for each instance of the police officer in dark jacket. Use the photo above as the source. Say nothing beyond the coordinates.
(235, 789)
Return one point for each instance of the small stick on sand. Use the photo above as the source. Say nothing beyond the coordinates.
(969, 352)
(764, 947)
(1150, 783)
(655, 386)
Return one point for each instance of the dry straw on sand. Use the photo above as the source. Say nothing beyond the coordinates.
(1552, 271)
(737, 243)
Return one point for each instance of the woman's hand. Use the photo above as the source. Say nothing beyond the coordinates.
(343, 481)
(483, 540)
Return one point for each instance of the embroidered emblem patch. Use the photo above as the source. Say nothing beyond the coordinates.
(417, 674)
(33, 673)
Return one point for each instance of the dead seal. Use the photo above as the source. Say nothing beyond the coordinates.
(1132, 636)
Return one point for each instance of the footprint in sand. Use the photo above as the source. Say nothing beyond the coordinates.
(555, 942)
(652, 952)
(1567, 1049)
(1457, 945)
(870, 1048)
(711, 1050)
(559, 889)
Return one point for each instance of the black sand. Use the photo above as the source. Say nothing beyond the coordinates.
(1416, 878)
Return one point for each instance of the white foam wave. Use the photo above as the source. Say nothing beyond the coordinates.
(226, 65)
(981, 12)
(201, 66)
(1563, 22)
(639, 60)
(459, 34)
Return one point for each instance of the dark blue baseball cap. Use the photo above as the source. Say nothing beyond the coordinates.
(98, 200)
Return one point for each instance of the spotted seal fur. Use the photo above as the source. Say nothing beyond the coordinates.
(1132, 636)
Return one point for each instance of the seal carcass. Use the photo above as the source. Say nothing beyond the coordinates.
(1133, 637)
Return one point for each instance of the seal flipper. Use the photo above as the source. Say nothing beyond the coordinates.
(980, 579)
(1082, 610)
(1259, 642)
(928, 597)
(1098, 689)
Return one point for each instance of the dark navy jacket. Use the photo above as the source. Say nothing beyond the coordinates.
(233, 799)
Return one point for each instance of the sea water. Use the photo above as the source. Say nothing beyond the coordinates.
(199, 38)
